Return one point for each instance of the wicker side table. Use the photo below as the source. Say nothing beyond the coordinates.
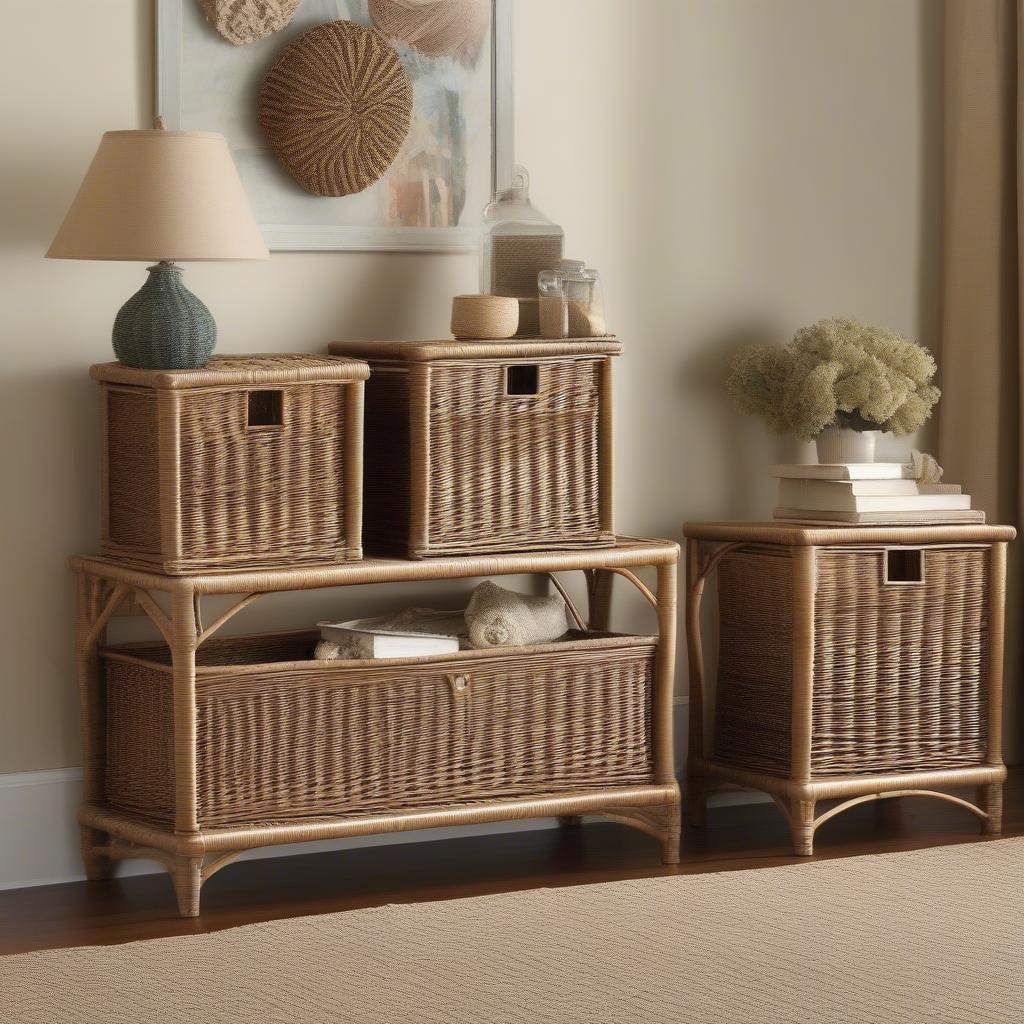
(854, 664)
(152, 746)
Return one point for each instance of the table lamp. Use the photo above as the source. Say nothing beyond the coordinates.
(160, 195)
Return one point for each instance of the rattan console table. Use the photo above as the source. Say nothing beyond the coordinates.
(192, 848)
(855, 663)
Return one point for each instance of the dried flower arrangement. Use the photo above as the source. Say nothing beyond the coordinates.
(838, 373)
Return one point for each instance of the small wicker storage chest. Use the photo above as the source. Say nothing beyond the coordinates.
(853, 662)
(478, 447)
(281, 737)
(251, 462)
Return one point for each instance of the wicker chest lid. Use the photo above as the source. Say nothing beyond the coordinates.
(793, 535)
(225, 371)
(426, 351)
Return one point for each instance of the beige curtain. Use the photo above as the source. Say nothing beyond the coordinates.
(980, 422)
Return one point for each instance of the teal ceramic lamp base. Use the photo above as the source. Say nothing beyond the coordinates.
(163, 326)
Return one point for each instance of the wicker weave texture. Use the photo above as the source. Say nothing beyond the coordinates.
(193, 485)
(281, 739)
(459, 466)
(899, 670)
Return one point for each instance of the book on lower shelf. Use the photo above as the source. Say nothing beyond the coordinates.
(869, 493)
(382, 637)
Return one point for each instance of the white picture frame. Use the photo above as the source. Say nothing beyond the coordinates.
(308, 237)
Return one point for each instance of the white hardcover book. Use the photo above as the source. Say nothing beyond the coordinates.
(847, 494)
(844, 471)
(829, 496)
(800, 515)
(358, 642)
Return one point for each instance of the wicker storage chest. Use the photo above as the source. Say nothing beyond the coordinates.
(852, 662)
(251, 462)
(282, 737)
(476, 447)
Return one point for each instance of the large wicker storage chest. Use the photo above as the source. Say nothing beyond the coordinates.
(853, 662)
(252, 462)
(476, 447)
(282, 737)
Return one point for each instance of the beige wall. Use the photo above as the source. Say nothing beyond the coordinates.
(732, 166)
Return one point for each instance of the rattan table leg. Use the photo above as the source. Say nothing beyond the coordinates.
(802, 826)
(183, 660)
(188, 880)
(990, 800)
(659, 820)
(96, 865)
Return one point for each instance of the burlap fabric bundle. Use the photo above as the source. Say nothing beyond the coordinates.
(497, 617)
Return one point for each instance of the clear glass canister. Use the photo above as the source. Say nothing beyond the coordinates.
(519, 242)
(571, 301)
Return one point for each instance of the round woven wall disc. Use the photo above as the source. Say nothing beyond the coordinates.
(336, 107)
(245, 21)
(437, 28)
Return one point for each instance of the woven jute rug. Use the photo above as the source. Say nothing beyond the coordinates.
(933, 936)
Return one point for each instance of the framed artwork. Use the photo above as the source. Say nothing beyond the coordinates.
(431, 198)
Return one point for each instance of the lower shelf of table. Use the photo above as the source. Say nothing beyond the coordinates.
(798, 799)
(109, 834)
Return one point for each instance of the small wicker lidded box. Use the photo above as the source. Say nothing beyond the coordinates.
(251, 462)
(487, 446)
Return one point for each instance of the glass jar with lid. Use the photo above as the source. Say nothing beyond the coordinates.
(571, 301)
(519, 241)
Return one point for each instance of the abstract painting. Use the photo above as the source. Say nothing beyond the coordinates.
(457, 149)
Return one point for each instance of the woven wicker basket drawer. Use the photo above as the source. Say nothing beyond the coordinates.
(281, 738)
(474, 455)
(256, 464)
(899, 666)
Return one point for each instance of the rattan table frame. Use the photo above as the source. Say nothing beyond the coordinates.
(192, 854)
(798, 794)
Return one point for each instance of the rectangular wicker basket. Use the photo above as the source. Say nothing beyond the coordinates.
(252, 462)
(283, 737)
(900, 665)
(479, 447)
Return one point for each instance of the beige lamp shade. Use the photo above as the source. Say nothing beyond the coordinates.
(160, 195)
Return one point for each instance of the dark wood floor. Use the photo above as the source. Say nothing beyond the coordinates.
(737, 837)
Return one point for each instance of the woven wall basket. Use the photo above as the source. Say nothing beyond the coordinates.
(246, 21)
(336, 108)
(437, 28)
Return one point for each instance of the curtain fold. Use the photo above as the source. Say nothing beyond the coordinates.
(980, 415)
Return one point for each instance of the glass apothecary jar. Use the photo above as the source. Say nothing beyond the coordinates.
(518, 243)
(571, 301)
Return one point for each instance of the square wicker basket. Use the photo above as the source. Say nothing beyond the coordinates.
(900, 666)
(477, 447)
(282, 737)
(251, 462)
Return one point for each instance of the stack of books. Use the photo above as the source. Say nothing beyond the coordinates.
(866, 494)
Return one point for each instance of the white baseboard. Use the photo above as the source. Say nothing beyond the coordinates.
(39, 834)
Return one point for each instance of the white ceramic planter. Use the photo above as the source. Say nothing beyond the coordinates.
(840, 444)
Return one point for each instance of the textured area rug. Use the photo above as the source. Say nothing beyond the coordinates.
(933, 936)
